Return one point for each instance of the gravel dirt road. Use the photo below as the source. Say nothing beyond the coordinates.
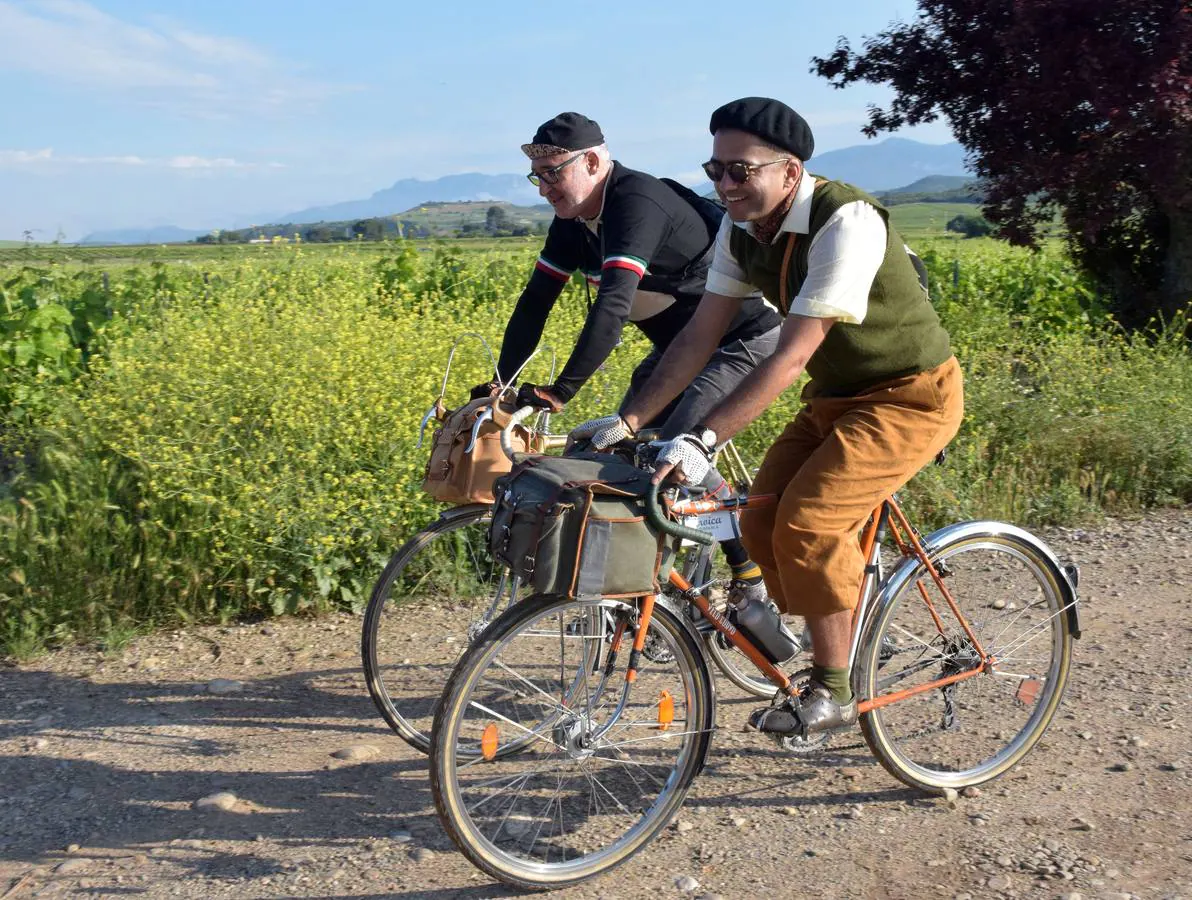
(248, 762)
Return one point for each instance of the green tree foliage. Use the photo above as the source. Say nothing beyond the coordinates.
(497, 220)
(969, 226)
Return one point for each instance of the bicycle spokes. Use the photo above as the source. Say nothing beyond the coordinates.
(972, 689)
(557, 753)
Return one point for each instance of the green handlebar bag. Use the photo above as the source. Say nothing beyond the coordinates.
(576, 526)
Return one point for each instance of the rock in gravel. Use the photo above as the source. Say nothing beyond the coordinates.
(999, 603)
(971, 793)
(683, 826)
(686, 883)
(1072, 895)
(999, 883)
(849, 773)
(356, 752)
(423, 854)
(224, 686)
(1080, 824)
(222, 801)
(400, 837)
(71, 866)
(951, 795)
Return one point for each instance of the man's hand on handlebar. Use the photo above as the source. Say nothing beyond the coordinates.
(538, 397)
(685, 457)
(601, 433)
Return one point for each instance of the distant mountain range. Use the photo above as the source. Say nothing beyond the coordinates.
(879, 167)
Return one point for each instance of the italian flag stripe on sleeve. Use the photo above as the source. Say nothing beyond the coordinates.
(632, 263)
(545, 265)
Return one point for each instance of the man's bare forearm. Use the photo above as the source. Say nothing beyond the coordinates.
(686, 356)
(799, 339)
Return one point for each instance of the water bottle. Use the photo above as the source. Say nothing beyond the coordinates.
(759, 621)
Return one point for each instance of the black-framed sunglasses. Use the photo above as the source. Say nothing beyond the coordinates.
(738, 172)
(551, 175)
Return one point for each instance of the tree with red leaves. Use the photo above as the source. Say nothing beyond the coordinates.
(1084, 106)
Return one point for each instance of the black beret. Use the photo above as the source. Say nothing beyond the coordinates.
(771, 120)
(565, 132)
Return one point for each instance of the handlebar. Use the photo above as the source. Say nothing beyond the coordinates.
(659, 520)
(507, 432)
(654, 511)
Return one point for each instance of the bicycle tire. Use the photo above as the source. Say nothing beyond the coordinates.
(405, 667)
(479, 803)
(1013, 592)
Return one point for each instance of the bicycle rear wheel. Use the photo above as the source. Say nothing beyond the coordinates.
(1014, 597)
(547, 766)
(439, 590)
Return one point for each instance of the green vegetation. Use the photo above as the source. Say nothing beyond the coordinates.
(918, 220)
(431, 220)
(233, 434)
(970, 226)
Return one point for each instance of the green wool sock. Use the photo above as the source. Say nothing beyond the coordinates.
(748, 572)
(835, 679)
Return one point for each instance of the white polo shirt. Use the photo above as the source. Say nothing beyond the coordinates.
(842, 260)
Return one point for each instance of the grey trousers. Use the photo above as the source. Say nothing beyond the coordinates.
(727, 368)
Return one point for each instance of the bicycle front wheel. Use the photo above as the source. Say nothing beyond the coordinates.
(1014, 599)
(439, 590)
(548, 767)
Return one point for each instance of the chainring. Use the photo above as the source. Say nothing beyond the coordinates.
(795, 744)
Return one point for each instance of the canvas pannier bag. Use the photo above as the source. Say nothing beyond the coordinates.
(576, 526)
(454, 476)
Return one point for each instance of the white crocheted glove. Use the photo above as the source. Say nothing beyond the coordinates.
(687, 454)
(601, 433)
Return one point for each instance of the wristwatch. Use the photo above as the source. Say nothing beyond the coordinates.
(705, 436)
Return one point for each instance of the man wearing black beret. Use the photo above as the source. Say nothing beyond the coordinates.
(885, 394)
(644, 244)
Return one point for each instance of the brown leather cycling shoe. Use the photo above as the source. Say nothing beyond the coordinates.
(813, 712)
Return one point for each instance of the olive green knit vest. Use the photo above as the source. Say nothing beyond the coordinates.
(901, 333)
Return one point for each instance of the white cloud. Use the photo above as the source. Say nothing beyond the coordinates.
(18, 157)
(162, 63)
(47, 157)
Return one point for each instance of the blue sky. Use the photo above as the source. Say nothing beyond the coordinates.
(127, 113)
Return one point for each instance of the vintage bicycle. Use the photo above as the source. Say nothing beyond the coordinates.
(442, 587)
(560, 747)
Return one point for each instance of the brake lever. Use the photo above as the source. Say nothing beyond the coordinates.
(422, 428)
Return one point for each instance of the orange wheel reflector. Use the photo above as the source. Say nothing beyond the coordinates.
(1028, 690)
(666, 710)
(489, 740)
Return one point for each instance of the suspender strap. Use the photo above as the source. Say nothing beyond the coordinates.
(784, 301)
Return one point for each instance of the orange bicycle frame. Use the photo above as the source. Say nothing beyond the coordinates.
(887, 514)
